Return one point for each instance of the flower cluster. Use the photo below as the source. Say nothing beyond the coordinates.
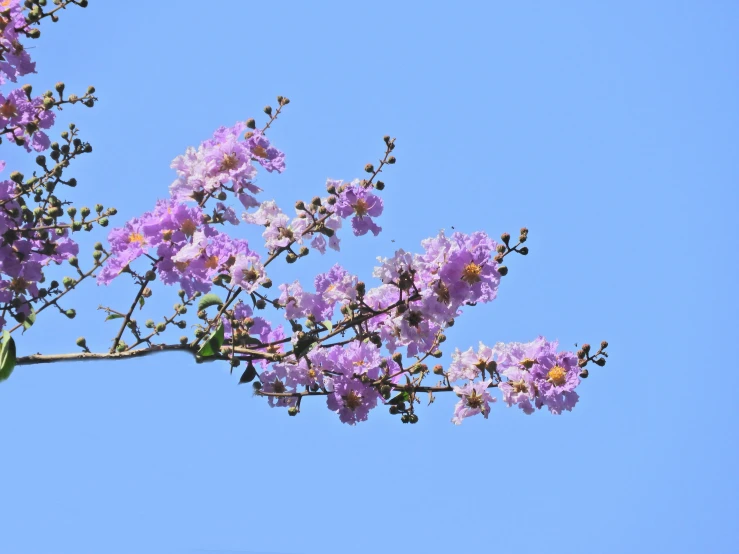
(186, 250)
(225, 158)
(359, 347)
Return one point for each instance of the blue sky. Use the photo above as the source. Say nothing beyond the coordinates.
(609, 129)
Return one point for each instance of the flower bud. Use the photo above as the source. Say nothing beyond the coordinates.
(393, 409)
(28, 89)
(84, 211)
(290, 258)
(103, 221)
(292, 411)
(73, 261)
(503, 270)
(251, 124)
(584, 374)
(300, 205)
(81, 342)
(398, 358)
(405, 418)
(600, 361)
(391, 160)
(70, 313)
(413, 418)
(585, 348)
(523, 251)
(67, 281)
(380, 185)
(59, 88)
(369, 168)
(438, 369)
(268, 110)
(150, 275)
(603, 345)
(260, 304)
(160, 327)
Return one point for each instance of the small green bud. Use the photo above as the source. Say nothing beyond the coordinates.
(290, 258)
(28, 89)
(98, 208)
(369, 168)
(413, 418)
(81, 342)
(405, 418)
(438, 369)
(260, 304)
(73, 261)
(149, 324)
(251, 124)
(503, 270)
(257, 386)
(292, 410)
(380, 185)
(398, 358)
(68, 282)
(59, 87)
(393, 409)
(181, 324)
(603, 345)
(584, 373)
(391, 160)
(303, 251)
(160, 327)
(71, 211)
(268, 110)
(84, 211)
(70, 313)
(103, 221)
(183, 340)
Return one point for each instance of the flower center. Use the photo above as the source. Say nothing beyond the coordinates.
(259, 151)
(136, 237)
(278, 386)
(250, 275)
(8, 110)
(352, 400)
(519, 386)
(442, 293)
(211, 262)
(475, 401)
(527, 363)
(181, 266)
(361, 207)
(18, 285)
(189, 227)
(229, 161)
(557, 375)
(471, 273)
(312, 373)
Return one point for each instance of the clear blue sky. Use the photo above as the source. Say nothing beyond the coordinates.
(610, 129)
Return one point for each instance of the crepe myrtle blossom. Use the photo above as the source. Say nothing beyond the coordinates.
(25, 117)
(470, 364)
(351, 399)
(248, 272)
(357, 201)
(545, 376)
(225, 158)
(15, 60)
(474, 399)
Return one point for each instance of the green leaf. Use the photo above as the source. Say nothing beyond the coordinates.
(209, 300)
(7, 356)
(304, 346)
(328, 325)
(113, 316)
(30, 319)
(213, 345)
(248, 375)
(400, 397)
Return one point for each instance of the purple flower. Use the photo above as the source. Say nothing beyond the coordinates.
(351, 399)
(269, 157)
(474, 399)
(363, 205)
(551, 377)
(468, 364)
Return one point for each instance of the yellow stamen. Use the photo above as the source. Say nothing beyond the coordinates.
(471, 273)
(361, 207)
(557, 375)
(136, 237)
(189, 227)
